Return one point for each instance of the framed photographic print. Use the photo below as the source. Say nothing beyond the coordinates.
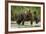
(23, 16)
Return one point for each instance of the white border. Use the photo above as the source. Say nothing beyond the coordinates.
(23, 29)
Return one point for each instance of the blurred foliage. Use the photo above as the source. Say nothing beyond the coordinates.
(21, 9)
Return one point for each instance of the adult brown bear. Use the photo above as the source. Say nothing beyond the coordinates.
(24, 17)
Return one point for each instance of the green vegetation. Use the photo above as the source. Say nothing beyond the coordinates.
(21, 9)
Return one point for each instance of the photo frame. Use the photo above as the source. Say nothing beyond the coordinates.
(21, 8)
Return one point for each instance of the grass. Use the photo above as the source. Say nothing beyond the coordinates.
(15, 25)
